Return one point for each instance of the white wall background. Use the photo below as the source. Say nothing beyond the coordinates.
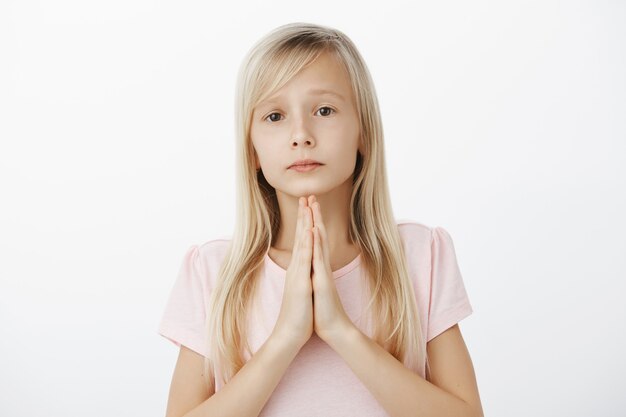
(504, 122)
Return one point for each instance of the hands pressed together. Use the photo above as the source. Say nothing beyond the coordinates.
(310, 299)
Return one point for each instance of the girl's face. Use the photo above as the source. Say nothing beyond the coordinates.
(313, 116)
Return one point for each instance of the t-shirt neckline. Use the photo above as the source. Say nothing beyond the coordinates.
(336, 274)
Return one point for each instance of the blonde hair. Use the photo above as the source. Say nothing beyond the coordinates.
(269, 65)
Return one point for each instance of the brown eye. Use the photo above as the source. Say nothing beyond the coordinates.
(329, 110)
(272, 118)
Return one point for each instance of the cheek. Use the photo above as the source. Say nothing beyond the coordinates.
(346, 128)
(343, 141)
(270, 157)
(262, 147)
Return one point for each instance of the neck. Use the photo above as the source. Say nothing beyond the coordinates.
(335, 208)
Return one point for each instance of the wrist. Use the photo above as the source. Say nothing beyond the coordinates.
(285, 344)
(341, 335)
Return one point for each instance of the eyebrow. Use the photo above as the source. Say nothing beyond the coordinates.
(312, 91)
(321, 91)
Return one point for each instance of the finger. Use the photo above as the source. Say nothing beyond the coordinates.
(318, 212)
(317, 248)
(313, 200)
(322, 232)
(314, 211)
(306, 254)
(321, 260)
(308, 216)
(299, 226)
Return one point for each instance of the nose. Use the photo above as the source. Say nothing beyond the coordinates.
(300, 134)
(301, 142)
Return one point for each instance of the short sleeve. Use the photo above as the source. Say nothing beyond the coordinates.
(449, 302)
(184, 317)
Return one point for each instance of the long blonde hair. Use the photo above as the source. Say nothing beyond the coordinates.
(269, 65)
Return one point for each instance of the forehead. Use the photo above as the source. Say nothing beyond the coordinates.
(323, 77)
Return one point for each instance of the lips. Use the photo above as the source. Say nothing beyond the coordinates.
(305, 162)
(305, 168)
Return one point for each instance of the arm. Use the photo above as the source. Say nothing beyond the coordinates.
(247, 392)
(403, 393)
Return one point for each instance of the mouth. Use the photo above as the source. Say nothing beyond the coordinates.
(305, 167)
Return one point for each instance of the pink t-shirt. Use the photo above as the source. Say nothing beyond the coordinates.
(319, 382)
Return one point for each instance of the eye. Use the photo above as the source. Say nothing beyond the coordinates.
(328, 112)
(329, 109)
(271, 114)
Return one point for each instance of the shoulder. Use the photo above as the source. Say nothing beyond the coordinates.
(214, 249)
(425, 244)
(415, 233)
(408, 224)
(205, 259)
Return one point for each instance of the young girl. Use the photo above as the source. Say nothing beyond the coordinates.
(321, 304)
